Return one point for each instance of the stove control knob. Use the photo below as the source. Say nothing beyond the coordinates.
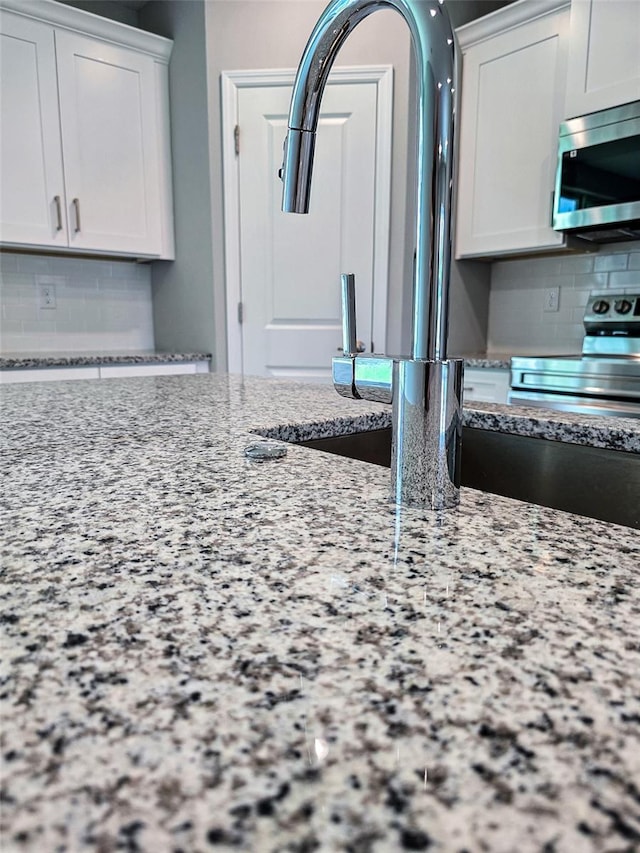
(600, 306)
(623, 306)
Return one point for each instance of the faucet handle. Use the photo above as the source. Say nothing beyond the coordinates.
(350, 344)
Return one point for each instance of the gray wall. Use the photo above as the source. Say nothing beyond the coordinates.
(246, 34)
(470, 280)
(107, 9)
(183, 291)
(217, 35)
(272, 34)
(463, 11)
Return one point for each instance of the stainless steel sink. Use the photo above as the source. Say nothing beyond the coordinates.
(589, 481)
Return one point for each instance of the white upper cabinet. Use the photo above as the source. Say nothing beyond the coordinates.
(108, 131)
(32, 207)
(604, 58)
(85, 151)
(513, 84)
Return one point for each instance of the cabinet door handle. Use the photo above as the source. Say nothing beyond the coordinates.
(76, 206)
(56, 200)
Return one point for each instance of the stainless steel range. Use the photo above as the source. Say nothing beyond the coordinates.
(604, 380)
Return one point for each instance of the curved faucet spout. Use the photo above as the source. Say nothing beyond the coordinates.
(426, 389)
(437, 69)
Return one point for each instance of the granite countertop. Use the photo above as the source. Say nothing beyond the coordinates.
(13, 361)
(18, 360)
(492, 361)
(204, 652)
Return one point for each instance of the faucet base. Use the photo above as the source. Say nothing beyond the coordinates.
(427, 427)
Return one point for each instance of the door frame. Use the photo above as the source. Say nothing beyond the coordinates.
(231, 82)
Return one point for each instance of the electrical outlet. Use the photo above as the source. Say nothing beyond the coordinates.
(551, 299)
(46, 295)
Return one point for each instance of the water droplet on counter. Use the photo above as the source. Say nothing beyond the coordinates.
(261, 451)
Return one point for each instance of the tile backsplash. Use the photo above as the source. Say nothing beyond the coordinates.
(99, 305)
(518, 322)
(107, 305)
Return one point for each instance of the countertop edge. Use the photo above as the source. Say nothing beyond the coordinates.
(617, 434)
(19, 361)
(22, 362)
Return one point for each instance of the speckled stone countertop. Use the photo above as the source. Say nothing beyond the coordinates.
(204, 652)
(494, 361)
(14, 361)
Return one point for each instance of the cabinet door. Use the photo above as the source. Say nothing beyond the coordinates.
(109, 139)
(604, 59)
(47, 374)
(119, 371)
(512, 103)
(32, 201)
(486, 384)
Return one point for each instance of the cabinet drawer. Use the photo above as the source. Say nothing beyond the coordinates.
(114, 371)
(110, 371)
(486, 385)
(48, 374)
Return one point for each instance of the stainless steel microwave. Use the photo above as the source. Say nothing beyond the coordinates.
(597, 190)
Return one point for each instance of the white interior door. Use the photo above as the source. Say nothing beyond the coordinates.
(290, 265)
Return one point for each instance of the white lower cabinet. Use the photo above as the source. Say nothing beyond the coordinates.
(48, 374)
(103, 371)
(84, 160)
(513, 83)
(486, 384)
(118, 371)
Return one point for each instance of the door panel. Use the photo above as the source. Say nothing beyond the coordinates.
(294, 237)
(109, 140)
(30, 150)
(291, 265)
(507, 141)
(604, 66)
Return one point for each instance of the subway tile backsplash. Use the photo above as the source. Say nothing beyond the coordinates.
(517, 320)
(99, 305)
(104, 305)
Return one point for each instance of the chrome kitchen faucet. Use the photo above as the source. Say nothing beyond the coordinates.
(426, 388)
